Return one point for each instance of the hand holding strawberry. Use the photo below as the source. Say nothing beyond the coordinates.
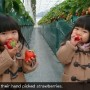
(29, 55)
(10, 43)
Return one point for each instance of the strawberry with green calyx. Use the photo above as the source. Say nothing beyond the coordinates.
(10, 43)
(29, 54)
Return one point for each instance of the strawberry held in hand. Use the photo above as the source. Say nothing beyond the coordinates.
(77, 38)
(10, 43)
(29, 54)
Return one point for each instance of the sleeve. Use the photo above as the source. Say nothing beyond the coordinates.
(26, 66)
(66, 53)
(5, 61)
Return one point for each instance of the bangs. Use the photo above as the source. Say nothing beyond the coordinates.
(83, 23)
(8, 25)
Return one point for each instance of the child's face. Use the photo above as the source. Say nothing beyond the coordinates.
(83, 33)
(4, 36)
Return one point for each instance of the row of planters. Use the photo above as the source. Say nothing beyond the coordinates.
(16, 9)
(27, 31)
(67, 10)
(55, 32)
(59, 20)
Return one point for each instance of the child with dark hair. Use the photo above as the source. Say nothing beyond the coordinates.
(13, 50)
(74, 52)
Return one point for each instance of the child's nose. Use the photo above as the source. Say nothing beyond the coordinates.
(79, 33)
(9, 36)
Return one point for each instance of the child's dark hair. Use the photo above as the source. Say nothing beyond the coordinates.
(83, 22)
(7, 23)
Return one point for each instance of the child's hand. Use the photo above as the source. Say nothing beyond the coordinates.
(12, 52)
(75, 39)
(31, 61)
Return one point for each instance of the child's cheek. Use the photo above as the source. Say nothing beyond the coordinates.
(2, 42)
(85, 39)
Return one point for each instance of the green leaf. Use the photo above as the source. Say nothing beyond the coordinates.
(16, 6)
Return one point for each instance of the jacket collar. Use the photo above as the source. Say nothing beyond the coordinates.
(84, 47)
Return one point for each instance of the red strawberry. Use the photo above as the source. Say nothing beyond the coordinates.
(29, 54)
(77, 38)
(10, 43)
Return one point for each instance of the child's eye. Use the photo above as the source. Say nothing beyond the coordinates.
(85, 31)
(76, 28)
(3, 33)
(14, 31)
